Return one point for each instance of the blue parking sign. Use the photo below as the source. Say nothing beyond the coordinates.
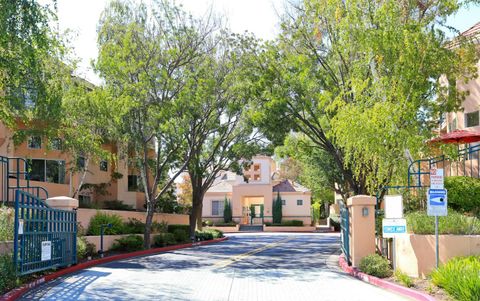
(437, 202)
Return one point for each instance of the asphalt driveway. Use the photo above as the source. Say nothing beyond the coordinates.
(245, 267)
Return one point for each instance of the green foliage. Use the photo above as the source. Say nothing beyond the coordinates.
(231, 224)
(172, 228)
(215, 233)
(463, 194)
(84, 248)
(252, 211)
(453, 223)
(403, 278)
(375, 265)
(460, 278)
(335, 222)
(101, 218)
(117, 205)
(6, 223)
(133, 226)
(164, 239)
(181, 236)
(379, 215)
(128, 243)
(227, 211)
(203, 235)
(277, 210)
(290, 223)
(8, 279)
(161, 227)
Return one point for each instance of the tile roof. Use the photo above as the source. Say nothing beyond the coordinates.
(473, 32)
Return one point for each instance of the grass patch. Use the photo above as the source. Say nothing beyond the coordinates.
(6, 223)
(403, 278)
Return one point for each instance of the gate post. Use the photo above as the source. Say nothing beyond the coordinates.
(362, 225)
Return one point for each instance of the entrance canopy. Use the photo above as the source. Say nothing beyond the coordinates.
(458, 137)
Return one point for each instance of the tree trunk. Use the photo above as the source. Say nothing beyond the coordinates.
(82, 178)
(148, 225)
(199, 216)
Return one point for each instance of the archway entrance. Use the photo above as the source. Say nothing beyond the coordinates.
(253, 210)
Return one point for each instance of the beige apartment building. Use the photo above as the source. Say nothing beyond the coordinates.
(258, 186)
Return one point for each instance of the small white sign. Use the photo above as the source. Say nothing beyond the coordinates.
(393, 206)
(436, 178)
(437, 202)
(20, 226)
(46, 250)
(392, 227)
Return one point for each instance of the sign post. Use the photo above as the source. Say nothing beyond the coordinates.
(436, 203)
(393, 224)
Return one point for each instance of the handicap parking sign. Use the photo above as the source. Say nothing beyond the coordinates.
(437, 202)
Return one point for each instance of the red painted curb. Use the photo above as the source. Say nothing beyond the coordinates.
(18, 292)
(405, 291)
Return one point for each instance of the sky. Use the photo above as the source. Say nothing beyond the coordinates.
(257, 16)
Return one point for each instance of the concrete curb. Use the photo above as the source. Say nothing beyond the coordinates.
(18, 292)
(405, 291)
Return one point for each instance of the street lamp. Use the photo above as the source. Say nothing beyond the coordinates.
(102, 227)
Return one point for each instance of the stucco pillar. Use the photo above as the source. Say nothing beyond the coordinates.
(362, 227)
(63, 203)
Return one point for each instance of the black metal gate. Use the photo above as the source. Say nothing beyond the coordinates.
(44, 237)
(345, 231)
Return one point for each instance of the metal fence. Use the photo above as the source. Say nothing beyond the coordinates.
(44, 237)
(345, 230)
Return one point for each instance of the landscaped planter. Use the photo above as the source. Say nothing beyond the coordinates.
(415, 254)
(6, 247)
(225, 229)
(288, 228)
(109, 240)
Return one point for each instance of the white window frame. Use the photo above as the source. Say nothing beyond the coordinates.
(301, 202)
(219, 209)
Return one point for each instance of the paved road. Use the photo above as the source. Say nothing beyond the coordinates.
(246, 267)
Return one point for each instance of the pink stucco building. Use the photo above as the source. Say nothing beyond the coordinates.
(258, 186)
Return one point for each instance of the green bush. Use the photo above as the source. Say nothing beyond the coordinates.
(292, 223)
(375, 265)
(172, 228)
(335, 222)
(463, 194)
(6, 223)
(227, 211)
(133, 226)
(8, 280)
(84, 248)
(403, 278)
(215, 233)
(207, 223)
(101, 218)
(128, 243)
(161, 227)
(181, 236)
(453, 223)
(460, 277)
(116, 205)
(231, 224)
(203, 235)
(164, 239)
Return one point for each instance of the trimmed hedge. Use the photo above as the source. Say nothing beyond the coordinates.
(101, 218)
(460, 277)
(292, 223)
(181, 236)
(453, 223)
(463, 194)
(164, 239)
(128, 243)
(174, 227)
(376, 265)
(134, 226)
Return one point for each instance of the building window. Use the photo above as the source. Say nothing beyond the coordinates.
(284, 202)
(453, 125)
(34, 142)
(84, 200)
(132, 183)
(471, 119)
(56, 144)
(299, 202)
(256, 167)
(256, 177)
(104, 165)
(217, 208)
(52, 171)
(81, 162)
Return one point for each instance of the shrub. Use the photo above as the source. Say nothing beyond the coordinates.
(453, 223)
(172, 228)
(116, 205)
(403, 278)
(463, 193)
(460, 278)
(227, 211)
(101, 218)
(128, 243)
(231, 224)
(84, 248)
(375, 265)
(215, 233)
(335, 222)
(8, 279)
(203, 235)
(161, 227)
(207, 223)
(6, 223)
(164, 239)
(134, 226)
(180, 235)
(292, 223)
(277, 210)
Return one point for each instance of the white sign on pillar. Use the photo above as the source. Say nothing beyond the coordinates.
(436, 178)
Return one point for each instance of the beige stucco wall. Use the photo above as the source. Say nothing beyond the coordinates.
(84, 216)
(415, 254)
(362, 228)
(291, 210)
(251, 190)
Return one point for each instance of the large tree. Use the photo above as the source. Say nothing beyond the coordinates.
(145, 53)
(360, 79)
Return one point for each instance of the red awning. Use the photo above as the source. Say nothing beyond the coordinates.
(458, 136)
